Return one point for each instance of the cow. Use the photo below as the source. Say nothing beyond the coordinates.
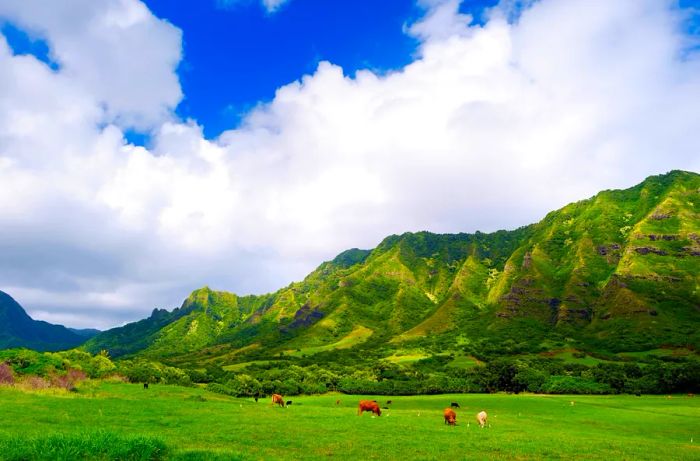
(277, 399)
(454, 405)
(481, 418)
(145, 385)
(389, 402)
(256, 399)
(289, 402)
(450, 417)
(368, 405)
(337, 402)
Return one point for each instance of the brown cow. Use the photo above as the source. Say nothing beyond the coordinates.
(450, 417)
(481, 418)
(368, 405)
(277, 399)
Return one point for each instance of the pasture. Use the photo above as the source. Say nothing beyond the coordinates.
(170, 422)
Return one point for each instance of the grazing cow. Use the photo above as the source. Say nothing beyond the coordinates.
(289, 402)
(368, 405)
(277, 399)
(450, 417)
(481, 418)
(145, 385)
(389, 402)
(455, 405)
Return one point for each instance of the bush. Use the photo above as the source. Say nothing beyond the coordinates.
(574, 385)
(7, 376)
(530, 379)
(221, 389)
(35, 383)
(69, 380)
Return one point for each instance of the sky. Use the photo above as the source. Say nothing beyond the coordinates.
(149, 149)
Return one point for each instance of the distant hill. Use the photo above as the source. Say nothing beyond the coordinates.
(85, 332)
(617, 272)
(17, 329)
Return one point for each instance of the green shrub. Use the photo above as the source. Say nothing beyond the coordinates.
(574, 385)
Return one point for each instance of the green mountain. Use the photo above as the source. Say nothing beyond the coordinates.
(17, 329)
(617, 272)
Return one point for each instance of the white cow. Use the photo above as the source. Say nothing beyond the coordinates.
(481, 418)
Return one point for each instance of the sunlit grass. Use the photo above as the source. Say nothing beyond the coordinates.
(521, 426)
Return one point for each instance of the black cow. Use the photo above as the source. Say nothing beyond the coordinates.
(145, 385)
(389, 402)
(289, 402)
(455, 405)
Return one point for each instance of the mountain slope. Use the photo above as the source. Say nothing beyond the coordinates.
(617, 272)
(17, 329)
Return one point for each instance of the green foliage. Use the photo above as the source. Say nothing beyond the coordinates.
(28, 362)
(574, 385)
(146, 371)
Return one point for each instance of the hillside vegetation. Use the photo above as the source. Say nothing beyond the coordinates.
(619, 272)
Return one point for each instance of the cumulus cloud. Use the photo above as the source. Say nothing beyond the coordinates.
(490, 127)
(115, 51)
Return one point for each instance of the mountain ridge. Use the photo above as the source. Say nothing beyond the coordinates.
(616, 271)
(18, 329)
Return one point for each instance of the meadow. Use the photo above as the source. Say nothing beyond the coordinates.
(112, 420)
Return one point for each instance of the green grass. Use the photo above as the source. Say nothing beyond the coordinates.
(242, 365)
(406, 358)
(464, 361)
(657, 353)
(357, 336)
(568, 357)
(167, 422)
(98, 445)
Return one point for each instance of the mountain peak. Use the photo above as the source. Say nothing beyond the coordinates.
(18, 329)
(616, 272)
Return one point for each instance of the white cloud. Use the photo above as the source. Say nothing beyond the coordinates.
(490, 127)
(115, 51)
(271, 6)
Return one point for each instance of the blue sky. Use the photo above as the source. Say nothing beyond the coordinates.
(238, 55)
(128, 180)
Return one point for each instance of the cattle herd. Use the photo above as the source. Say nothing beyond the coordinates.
(373, 407)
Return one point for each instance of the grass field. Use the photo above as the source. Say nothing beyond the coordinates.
(170, 422)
